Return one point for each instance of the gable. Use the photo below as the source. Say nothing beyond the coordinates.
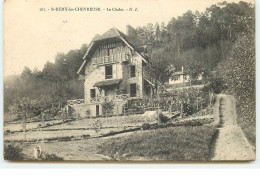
(113, 33)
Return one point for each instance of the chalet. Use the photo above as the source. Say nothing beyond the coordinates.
(113, 70)
(181, 77)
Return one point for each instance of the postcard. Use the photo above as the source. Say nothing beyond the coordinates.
(131, 81)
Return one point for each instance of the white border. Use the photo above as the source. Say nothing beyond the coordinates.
(6, 164)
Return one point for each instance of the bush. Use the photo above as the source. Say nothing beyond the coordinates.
(7, 132)
(107, 107)
(217, 85)
(187, 109)
(85, 136)
(12, 152)
(163, 118)
(155, 126)
(145, 126)
(239, 73)
(97, 125)
(50, 112)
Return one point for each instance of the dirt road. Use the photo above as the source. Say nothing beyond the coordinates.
(231, 143)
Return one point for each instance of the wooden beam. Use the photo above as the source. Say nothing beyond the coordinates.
(133, 49)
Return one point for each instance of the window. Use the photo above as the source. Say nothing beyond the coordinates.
(133, 90)
(92, 93)
(132, 71)
(108, 72)
(111, 51)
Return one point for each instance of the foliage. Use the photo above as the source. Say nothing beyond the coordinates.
(107, 107)
(162, 118)
(194, 99)
(145, 126)
(175, 144)
(216, 85)
(56, 83)
(176, 123)
(50, 112)
(12, 152)
(25, 108)
(97, 125)
(187, 109)
(199, 38)
(159, 69)
(238, 71)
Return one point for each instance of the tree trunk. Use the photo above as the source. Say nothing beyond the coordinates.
(24, 128)
(181, 113)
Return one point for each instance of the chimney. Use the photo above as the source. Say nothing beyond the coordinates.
(131, 33)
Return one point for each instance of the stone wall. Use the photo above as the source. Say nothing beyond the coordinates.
(84, 110)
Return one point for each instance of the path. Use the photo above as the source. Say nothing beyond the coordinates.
(231, 143)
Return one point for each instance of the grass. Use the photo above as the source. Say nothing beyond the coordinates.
(248, 129)
(67, 150)
(188, 143)
(246, 118)
(13, 152)
(76, 128)
(56, 134)
(171, 143)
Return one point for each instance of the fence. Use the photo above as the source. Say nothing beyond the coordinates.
(190, 100)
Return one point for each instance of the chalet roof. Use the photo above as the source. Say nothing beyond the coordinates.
(111, 33)
(149, 82)
(107, 82)
(81, 77)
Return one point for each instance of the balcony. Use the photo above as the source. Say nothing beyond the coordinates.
(120, 57)
(75, 102)
(99, 99)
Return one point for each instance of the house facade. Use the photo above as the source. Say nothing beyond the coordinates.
(182, 77)
(113, 70)
(179, 78)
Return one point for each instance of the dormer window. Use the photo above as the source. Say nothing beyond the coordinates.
(108, 72)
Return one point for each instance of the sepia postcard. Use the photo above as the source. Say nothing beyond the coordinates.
(131, 81)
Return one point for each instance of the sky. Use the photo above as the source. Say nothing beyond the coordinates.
(33, 37)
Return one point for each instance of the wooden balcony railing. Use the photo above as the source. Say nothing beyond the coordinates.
(120, 57)
(76, 102)
(109, 98)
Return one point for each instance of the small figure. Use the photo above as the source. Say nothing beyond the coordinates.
(37, 152)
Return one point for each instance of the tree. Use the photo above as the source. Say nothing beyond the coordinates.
(107, 107)
(238, 71)
(159, 69)
(26, 74)
(25, 108)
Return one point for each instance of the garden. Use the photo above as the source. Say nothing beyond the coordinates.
(155, 136)
(170, 144)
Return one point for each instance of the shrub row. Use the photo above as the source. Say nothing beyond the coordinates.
(193, 122)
